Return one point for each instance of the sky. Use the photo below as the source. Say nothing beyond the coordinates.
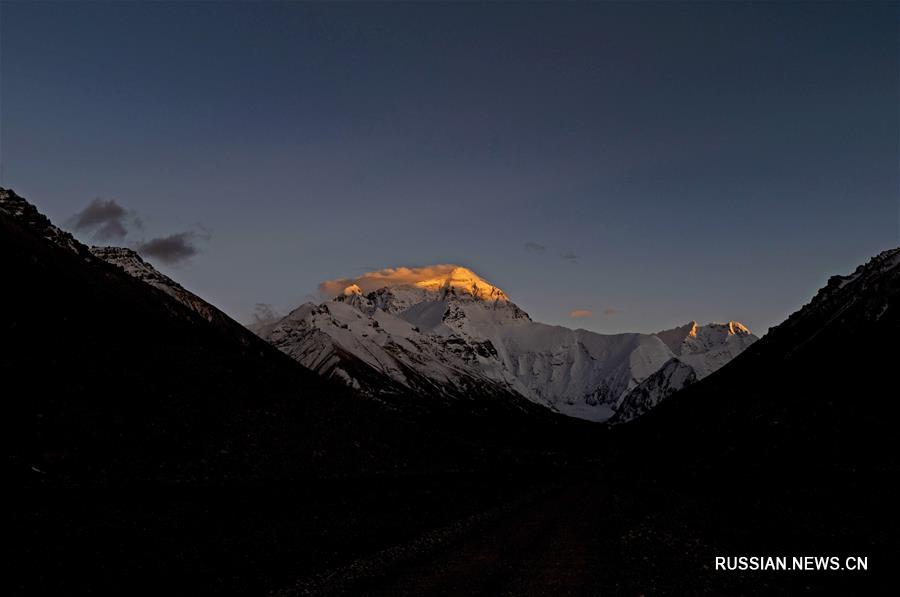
(613, 166)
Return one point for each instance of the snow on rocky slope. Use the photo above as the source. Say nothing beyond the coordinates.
(667, 380)
(707, 348)
(375, 353)
(453, 331)
(131, 262)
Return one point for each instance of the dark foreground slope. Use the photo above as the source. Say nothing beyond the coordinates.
(149, 450)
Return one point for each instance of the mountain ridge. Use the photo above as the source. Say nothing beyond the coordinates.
(460, 320)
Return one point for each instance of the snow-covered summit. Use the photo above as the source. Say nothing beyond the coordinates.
(463, 282)
(431, 296)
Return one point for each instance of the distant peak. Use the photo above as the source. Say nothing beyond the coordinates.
(693, 332)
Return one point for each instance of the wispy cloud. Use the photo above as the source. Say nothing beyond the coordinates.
(570, 257)
(535, 247)
(609, 311)
(171, 249)
(581, 314)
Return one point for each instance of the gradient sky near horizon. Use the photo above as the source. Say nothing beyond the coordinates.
(649, 163)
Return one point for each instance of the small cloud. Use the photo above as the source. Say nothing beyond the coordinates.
(264, 312)
(202, 232)
(171, 249)
(105, 218)
(609, 311)
(581, 314)
(570, 257)
(535, 247)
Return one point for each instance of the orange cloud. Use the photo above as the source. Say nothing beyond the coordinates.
(389, 276)
(581, 314)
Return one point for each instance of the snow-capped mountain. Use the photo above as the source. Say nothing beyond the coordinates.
(370, 342)
(450, 330)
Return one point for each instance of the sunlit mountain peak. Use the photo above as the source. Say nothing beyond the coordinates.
(463, 280)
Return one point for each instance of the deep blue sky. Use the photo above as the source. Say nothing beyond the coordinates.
(705, 161)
